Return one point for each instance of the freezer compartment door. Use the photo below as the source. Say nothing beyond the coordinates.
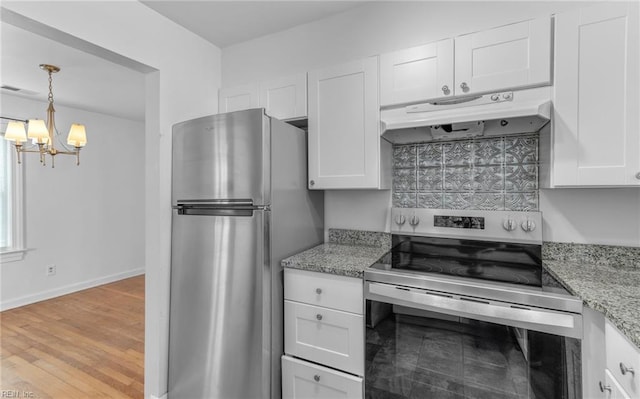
(222, 157)
(219, 342)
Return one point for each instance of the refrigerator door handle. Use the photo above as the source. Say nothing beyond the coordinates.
(217, 203)
(212, 210)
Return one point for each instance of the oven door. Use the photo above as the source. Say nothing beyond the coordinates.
(432, 345)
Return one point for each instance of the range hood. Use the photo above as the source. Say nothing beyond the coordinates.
(494, 114)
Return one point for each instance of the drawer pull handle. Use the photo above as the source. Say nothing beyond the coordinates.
(316, 378)
(604, 387)
(319, 316)
(318, 291)
(624, 370)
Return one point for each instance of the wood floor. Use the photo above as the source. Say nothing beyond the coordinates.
(88, 344)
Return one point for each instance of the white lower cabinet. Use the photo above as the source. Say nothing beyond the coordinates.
(304, 380)
(612, 389)
(325, 336)
(323, 326)
(325, 290)
(623, 362)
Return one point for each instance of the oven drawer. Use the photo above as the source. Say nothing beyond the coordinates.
(622, 356)
(304, 380)
(325, 336)
(321, 289)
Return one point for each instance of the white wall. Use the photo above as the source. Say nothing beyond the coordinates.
(184, 87)
(386, 26)
(80, 218)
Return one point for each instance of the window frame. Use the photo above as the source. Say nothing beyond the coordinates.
(17, 250)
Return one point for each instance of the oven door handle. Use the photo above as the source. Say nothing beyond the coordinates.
(536, 319)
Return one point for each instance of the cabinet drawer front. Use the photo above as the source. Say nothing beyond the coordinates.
(324, 336)
(620, 350)
(302, 379)
(321, 289)
(616, 391)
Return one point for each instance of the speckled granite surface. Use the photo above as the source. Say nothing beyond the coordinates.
(360, 237)
(607, 278)
(611, 255)
(347, 253)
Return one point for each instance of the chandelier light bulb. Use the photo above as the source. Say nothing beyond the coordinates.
(16, 132)
(77, 136)
(38, 131)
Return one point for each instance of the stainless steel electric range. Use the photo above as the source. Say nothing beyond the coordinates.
(461, 307)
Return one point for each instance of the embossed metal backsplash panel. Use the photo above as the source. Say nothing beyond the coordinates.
(498, 173)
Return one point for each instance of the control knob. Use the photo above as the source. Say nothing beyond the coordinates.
(414, 220)
(528, 225)
(400, 219)
(509, 224)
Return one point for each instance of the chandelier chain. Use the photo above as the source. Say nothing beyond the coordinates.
(50, 87)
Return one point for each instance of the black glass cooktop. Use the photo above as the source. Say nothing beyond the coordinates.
(486, 260)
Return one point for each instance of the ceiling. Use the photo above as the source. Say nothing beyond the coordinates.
(93, 83)
(225, 23)
(85, 81)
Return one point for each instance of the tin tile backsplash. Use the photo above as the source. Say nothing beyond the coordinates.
(498, 173)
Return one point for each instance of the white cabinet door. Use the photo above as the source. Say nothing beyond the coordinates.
(285, 98)
(304, 380)
(507, 57)
(325, 336)
(238, 98)
(417, 74)
(596, 128)
(344, 122)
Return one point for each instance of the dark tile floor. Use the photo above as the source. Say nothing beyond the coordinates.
(443, 360)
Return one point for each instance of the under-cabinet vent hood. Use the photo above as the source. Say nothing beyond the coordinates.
(492, 114)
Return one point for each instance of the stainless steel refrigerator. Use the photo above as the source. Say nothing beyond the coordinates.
(240, 206)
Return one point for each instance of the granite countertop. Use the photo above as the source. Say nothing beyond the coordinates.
(606, 278)
(348, 253)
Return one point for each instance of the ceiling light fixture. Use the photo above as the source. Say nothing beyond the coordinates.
(44, 135)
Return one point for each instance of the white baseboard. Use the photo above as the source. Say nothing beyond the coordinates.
(156, 397)
(68, 289)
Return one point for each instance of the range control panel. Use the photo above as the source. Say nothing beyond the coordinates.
(510, 226)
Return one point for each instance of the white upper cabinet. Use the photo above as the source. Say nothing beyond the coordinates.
(345, 148)
(285, 98)
(596, 124)
(282, 98)
(508, 57)
(417, 73)
(238, 98)
(511, 56)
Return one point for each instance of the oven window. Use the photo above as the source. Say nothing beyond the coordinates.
(415, 354)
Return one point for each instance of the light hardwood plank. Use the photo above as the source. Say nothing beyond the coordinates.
(89, 344)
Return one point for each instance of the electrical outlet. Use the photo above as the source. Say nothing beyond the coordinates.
(51, 270)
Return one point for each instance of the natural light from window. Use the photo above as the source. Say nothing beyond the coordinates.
(5, 196)
(12, 246)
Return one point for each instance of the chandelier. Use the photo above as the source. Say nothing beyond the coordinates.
(44, 135)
